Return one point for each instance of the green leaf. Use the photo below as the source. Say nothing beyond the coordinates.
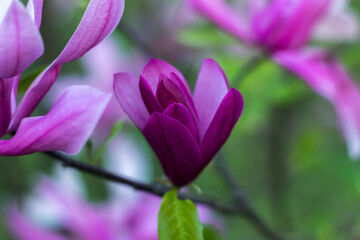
(178, 219)
(114, 131)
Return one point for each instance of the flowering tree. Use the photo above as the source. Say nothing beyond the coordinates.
(116, 114)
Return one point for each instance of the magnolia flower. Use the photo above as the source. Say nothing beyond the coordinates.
(272, 25)
(70, 122)
(184, 131)
(327, 77)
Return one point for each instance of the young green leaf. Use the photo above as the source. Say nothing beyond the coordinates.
(178, 219)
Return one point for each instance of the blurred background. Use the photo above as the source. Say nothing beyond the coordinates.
(285, 151)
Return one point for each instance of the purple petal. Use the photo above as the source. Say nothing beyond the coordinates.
(171, 90)
(179, 112)
(99, 20)
(20, 41)
(34, 95)
(6, 103)
(218, 12)
(211, 88)
(25, 229)
(221, 126)
(274, 25)
(175, 147)
(151, 102)
(154, 68)
(65, 128)
(34, 8)
(127, 92)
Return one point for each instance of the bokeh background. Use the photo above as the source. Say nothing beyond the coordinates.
(286, 150)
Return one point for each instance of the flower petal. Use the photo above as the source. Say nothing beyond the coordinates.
(218, 12)
(34, 8)
(179, 112)
(99, 20)
(151, 102)
(220, 127)
(20, 41)
(65, 128)
(6, 99)
(211, 88)
(175, 147)
(127, 92)
(328, 78)
(155, 67)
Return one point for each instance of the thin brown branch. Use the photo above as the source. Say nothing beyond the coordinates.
(160, 189)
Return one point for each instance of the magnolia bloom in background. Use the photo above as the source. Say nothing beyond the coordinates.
(282, 28)
(58, 211)
(70, 122)
(278, 24)
(327, 77)
(184, 131)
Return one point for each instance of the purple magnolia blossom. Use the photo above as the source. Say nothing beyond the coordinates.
(272, 25)
(185, 131)
(67, 126)
(60, 205)
(328, 78)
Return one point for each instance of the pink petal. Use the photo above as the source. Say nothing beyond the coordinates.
(6, 99)
(221, 14)
(211, 88)
(221, 126)
(65, 128)
(127, 92)
(175, 147)
(99, 20)
(328, 78)
(34, 8)
(20, 41)
(154, 68)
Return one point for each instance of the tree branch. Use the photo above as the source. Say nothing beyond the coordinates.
(160, 189)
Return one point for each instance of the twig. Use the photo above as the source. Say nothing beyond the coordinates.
(160, 189)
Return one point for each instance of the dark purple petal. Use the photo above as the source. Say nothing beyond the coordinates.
(220, 127)
(171, 90)
(127, 92)
(20, 41)
(175, 147)
(65, 128)
(165, 95)
(154, 68)
(179, 112)
(150, 101)
(99, 20)
(211, 88)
